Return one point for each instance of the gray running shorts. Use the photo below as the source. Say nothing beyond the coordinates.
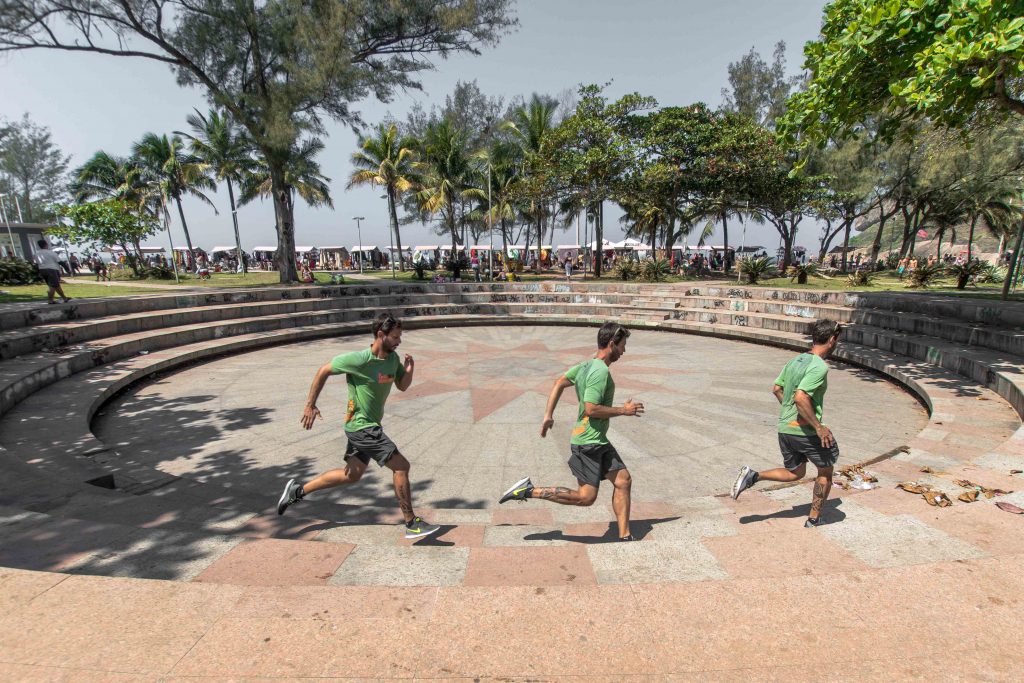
(591, 462)
(796, 450)
(370, 443)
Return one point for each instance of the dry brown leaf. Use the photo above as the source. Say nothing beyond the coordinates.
(1009, 507)
(937, 498)
(927, 470)
(966, 483)
(981, 398)
(913, 487)
(968, 496)
(1016, 471)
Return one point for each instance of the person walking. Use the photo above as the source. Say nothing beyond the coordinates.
(592, 458)
(800, 389)
(49, 271)
(370, 374)
(568, 268)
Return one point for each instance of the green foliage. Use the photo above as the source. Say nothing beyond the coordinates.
(33, 168)
(455, 266)
(655, 269)
(964, 272)
(925, 275)
(627, 269)
(757, 268)
(892, 260)
(859, 278)
(16, 271)
(148, 272)
(110, 222)
(944, 60)
(801, 271)
(991, 273)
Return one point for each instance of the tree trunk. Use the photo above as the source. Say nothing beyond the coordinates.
(970, 237)
(670, 237)
(599, 239)
(184, 227)
(725, 242)
(876, 245)
(284, 215)
(393, 213)
(238, 239)
(1014, 263)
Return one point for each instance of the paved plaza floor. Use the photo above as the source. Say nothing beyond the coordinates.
(470, 422)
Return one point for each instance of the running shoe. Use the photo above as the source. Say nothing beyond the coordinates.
(811, 523)
(417, 528)
(518, 491)
(744, 481)
(289, 496)
(627, 538)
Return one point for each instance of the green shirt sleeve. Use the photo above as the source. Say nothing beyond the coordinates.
(572, 372)
(814, 378)
(779, 380)
(597, 382)
(347, 362)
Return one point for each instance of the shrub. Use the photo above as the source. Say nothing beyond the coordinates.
(801, 271)
(655, 269)
(892, 260)
(157, 272)
(991, 273)
(859, 278)
(924, 275)
(456, 266)
(963, 272)
(627, 269)
(17, 271)
(757, 268)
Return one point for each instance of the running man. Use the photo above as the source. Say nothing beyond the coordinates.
(592, 457)
(800, 388)
(370, 373)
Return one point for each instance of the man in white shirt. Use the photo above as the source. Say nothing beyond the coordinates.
(49, 270)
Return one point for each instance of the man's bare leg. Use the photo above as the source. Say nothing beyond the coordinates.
(353, 472)
(784, 475)
(621, 498)
(584, 496)
(403, 491)
(822, 486)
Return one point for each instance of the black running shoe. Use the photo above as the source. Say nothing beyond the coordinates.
(744, 480)
(288, 497)
(417, 528)
(811, 523)
(627, 538)
(518, 491)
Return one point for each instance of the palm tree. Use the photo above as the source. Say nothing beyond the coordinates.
(302, 176)
(995, 208)
(217, 142)
(531, 127)
(721, 207)
(387, 160)
(446, 168)
(175, 172)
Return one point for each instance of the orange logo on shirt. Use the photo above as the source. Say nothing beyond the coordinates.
(384, 379)
(582, 426)
(350, 412)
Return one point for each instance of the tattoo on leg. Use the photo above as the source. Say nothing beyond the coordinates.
(552, 492)
(404, 499)
(818, 498)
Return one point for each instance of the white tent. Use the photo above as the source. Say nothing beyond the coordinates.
(216, 249)
(605, 245)
(304, 250)
(431, 247)
(364, 249)
(265, 249)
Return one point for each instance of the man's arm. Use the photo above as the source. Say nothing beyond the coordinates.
(559, 386)
(600, 412)
(311, 412)
(406, 379)
(780, 392)
(805, 407)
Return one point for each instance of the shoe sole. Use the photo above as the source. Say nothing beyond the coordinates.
(519, 484)
(736, 490)
(282, 502)
(422, 534)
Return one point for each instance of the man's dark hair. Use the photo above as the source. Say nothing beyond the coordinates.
(385, 322)
(823, 330)
(611, 332)
(41, 243)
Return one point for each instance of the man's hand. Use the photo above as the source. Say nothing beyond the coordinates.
(410, 364)
(825, 434)
(309, 415)
(631, 407)
(548, 423)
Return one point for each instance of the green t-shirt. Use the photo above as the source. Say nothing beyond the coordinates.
(593, 384)
(809, 373)
(369, 383)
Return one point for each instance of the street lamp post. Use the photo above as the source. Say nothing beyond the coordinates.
(743, 242)
(359, 231)
(21, 219)
(3, 215)
(490, 226)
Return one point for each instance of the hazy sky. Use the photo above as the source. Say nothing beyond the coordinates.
(674, 50)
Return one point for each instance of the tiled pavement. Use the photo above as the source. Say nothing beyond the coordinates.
(889, 589)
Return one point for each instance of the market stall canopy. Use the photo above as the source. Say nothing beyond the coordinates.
(363, 249)
(264, 248)
(303, 250)
(222, 249)
(560, 247)
(119, 250)
(431, 247)
(330, 248)
(630, 243)
(605, 244)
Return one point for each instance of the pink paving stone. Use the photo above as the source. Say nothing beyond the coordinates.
(782, 554)
(272, 525)
(337, 603)
(652, 510)
(752, 510)
(522, 515)
(277, 562)
(551, 566)
(980, 524)
(459, 535)
(18, 587)
(890, 500)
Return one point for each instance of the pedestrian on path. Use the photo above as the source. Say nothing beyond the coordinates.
(370, 374)
(592, 457)
(800, 388)
(49, 270)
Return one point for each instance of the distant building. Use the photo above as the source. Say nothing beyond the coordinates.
(19, 239)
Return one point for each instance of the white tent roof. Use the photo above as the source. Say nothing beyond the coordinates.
(303, 250)
(144, 250)
(484, 247)
(630, 242)
(333, 248)
(543, 246)
(356, 250)
(223, 249)
(430, 247)
(264, 248)
(568, 246)
(605, 244)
